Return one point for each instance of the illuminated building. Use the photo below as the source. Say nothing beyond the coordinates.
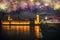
(37, 20)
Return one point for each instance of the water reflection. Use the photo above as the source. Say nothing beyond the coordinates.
(37, 31)
(23, 30)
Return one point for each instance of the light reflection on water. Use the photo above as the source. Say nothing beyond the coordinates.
(25, 30)
(36, 30)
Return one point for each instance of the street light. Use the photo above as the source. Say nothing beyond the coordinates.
(46, 18)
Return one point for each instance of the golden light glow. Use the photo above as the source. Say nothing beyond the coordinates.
(26, 29)
(37, 19)
(4, 6)
(21, 28)
(32, 2)
(24, 22)
(37, 29)
(56, 6)
(9, 17)
(16, 22)
(5, 22)
(5, 28)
